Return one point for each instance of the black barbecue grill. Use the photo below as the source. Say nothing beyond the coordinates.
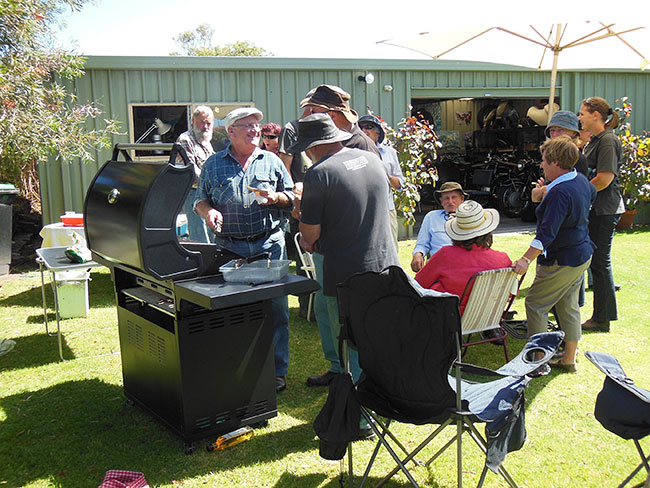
(197, 351)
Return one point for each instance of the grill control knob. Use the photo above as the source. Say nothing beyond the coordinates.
(112, 196)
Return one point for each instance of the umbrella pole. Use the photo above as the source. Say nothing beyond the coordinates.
(556, 54)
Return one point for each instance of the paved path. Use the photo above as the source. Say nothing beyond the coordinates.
(507, 225)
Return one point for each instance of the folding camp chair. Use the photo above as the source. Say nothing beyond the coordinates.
(622, 407)
(408, 339)
(491, 294)
(307, 265)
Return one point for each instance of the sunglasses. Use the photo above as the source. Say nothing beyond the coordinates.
(269, 136)
(366, 127)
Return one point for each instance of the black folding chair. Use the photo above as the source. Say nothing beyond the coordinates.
(408, 339)
(622, 407)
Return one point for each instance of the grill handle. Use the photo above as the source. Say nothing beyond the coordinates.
(175, 148)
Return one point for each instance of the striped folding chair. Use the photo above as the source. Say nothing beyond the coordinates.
(490, 294)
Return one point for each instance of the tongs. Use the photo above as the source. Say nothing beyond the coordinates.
(243, 261)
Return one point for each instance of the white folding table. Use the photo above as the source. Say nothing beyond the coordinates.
(55, 261)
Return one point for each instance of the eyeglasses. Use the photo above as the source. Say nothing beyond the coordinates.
(269, 136)
(366, 127)
(247, 126)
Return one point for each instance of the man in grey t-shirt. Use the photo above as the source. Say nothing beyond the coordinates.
(344, 211)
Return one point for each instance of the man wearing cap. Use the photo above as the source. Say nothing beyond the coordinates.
(371, 126)
(198, 147)
(432, 235)
(335, 101)
(243, 195)
(344, 219)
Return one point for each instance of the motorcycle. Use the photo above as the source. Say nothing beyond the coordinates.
(513, 187)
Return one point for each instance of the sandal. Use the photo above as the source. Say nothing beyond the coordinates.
(558, 364)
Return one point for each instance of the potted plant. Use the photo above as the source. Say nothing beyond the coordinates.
(417, 145)
(634, 176)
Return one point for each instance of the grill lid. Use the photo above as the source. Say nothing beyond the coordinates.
(130, 215)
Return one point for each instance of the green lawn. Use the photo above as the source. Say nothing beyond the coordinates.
(63, 424)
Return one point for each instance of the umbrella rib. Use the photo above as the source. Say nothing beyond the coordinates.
(603, 36)
(618, 35)
(581, 40)
(464, 42)
(548, 44)
(521, 36)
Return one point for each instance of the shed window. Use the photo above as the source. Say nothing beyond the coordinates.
(152, 123)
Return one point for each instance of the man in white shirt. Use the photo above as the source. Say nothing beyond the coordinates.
(371, 126)
(432, 235)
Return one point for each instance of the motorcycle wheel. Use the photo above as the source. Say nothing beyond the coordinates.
(509, 201)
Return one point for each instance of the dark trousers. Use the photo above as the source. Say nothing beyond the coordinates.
(601, 232)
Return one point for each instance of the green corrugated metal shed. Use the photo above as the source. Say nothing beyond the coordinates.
(276, 85)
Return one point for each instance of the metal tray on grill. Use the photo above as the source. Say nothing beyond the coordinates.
(256, 272)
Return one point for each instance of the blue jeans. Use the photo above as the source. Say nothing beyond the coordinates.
(601, 232)
(279, 305)
(196, 227)
(330, 345)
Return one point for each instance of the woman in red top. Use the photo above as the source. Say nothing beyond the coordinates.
(451, 267)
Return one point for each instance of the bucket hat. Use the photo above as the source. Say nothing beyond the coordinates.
(331, 97)
(565, 119)
(375, 122)
(471, 221)
(451, 186)
(317, 129)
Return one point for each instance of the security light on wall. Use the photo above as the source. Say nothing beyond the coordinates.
(369, 78)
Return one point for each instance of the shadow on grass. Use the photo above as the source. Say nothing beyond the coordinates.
(33, 351)
(75, 431)
(100, 293)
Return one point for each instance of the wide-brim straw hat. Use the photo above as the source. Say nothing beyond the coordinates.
(472, 220)
(539, 115)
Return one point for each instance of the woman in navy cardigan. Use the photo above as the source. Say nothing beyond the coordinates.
(561, 246)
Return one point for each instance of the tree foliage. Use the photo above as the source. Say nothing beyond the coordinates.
(38, 116)
(199, 43)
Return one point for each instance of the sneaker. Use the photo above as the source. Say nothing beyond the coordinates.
(322, 380)
(280, 383)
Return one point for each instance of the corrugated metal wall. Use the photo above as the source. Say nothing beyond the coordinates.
(276, 86)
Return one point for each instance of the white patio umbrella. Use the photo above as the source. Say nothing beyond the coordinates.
(534, 47)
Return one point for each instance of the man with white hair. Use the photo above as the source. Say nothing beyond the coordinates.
(244, 195)
(198, 147)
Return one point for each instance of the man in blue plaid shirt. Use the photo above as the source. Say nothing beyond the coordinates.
(244, 194)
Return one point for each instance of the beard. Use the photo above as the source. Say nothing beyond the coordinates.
(202, 136)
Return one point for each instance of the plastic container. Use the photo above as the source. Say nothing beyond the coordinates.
(255, 272)
(72, 219)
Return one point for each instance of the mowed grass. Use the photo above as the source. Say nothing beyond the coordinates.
(64, 424)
